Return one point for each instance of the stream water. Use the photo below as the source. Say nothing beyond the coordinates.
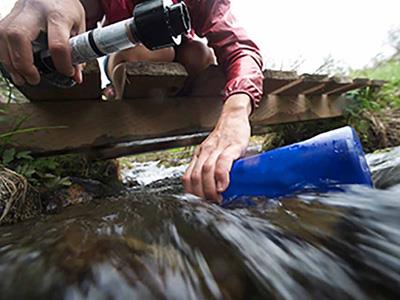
(155, 242)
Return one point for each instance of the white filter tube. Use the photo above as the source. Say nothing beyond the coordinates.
(102, 41)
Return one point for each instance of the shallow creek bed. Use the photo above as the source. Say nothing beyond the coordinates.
(155, 242)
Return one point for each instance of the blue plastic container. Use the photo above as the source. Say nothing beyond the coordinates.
(324, 163)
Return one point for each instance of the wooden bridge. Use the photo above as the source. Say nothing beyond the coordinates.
(160, 107)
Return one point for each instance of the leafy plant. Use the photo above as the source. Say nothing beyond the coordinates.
(39, 172)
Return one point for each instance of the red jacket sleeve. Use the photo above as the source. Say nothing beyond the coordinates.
(238, 55)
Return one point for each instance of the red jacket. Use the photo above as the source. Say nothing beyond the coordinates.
(238, 55)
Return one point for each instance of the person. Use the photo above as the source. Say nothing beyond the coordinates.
(208, 173)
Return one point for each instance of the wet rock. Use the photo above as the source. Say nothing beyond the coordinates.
(81, 191)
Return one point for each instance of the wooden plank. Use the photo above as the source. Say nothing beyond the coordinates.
(149, 79)
(355, 84)
(286, 109)
(377, 83)
(328, 108)
(299, 86)
(314, 90)
(332, 84)
(209, 83)
(143, 79)
(107, 129)
(92, 124)
(274, 80)
(134, 80)
(89, 89)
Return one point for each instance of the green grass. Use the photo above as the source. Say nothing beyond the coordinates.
(375, 113)
(389, 96)
(388, 70)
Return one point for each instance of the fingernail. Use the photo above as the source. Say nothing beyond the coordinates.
(33, 81)
(220, 187)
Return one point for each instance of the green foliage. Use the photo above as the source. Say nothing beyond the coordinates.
(39, 172)
(373, 112)
(47, 174)
(388, 96)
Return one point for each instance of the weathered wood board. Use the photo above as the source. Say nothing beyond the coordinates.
(149, 80)
(89, 89)
(182, 107)
(89, 124)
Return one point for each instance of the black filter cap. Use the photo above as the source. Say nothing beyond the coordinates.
(179, 19)
(156, 24)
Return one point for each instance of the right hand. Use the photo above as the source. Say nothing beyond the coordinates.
(61, 19)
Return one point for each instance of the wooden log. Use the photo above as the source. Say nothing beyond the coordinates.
(89, 89)
(88, 124)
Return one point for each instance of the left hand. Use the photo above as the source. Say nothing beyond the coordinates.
(208, 174)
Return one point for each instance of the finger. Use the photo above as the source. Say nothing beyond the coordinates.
(186, 179)
(81, 27)
(208, 177)
(224, 166)
(196, 176)
(77, 29)
(17, 79)
(78, 75)
(59, 31)
(11, 16)
(6, 63)
(21, 56)
(19, 46)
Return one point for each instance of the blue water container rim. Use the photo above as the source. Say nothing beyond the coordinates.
(358, 156)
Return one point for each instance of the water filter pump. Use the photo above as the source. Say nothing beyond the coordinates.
(155, 24)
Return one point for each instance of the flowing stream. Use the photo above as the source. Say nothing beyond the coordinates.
(155, 242)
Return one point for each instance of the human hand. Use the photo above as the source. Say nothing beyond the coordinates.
(60, 18)
(208, 173)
